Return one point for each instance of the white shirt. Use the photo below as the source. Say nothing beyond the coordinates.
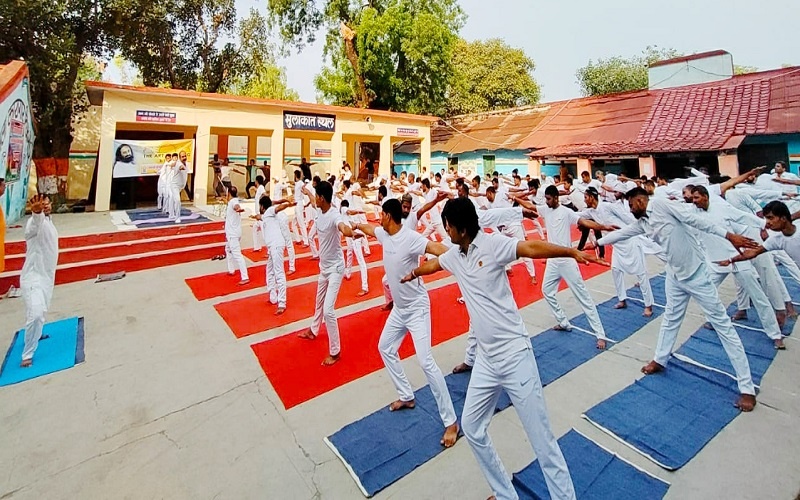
(401, 253)
(277, 190)
(779, 241)
(434, 214)
(260, 191)
(482, 279)
(346, 175)
(583, 186)
(179, 175)
(330, 241)
(499, 202)
(412, 221)
(271, 229)
(41, 255)
(559, 224)
(499, 217)
(670, 224)
(767, 181)
(299, 197)
(233, 220)
(732, 220)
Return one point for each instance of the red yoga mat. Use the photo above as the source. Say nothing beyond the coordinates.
(261, 255)
(221, 284)
(294, 368)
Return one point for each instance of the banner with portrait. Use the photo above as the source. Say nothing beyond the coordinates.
(139, 158)
(16, 149)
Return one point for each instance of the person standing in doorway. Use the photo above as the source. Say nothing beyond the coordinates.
(233, 235)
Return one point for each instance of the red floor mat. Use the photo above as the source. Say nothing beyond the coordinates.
(294, 368)
(220, 284)
(261, 255)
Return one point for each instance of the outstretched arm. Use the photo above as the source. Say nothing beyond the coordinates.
(750, 253)
(534, 249)
(430, 204)
(590, 224)
(435, 248)
(730, 183)
(367, 229)
(346, 230)
(429, 267)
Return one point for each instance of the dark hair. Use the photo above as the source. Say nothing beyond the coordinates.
(325, 190)
(585, 172)
(477, 179)
(551, 191)
(689, 187)
(426, 183)
(637, 191)
(491, 189)
(260, 179)
(568, 180)
(345, 203)
(515, 171)
(700, 189)
(233, 191)
(460, 213)
(495, 173)
(592, 192)
(316, 179)
(394, 208)
(459, 181)
(777, 209)
(781, 163)
(124, 159)
(298, 174)
(437, 174)
(650, 183)
(265, 202)
(383, 191)
(346, 183)
(406, 198)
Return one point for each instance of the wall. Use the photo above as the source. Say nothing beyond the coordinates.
(474, 163)
(16, 142)
(708, 69)
(792, 142)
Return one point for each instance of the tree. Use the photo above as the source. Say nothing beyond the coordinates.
(257, 73)
(743, 70)
(54, 37)
(490, 75)
(386, 54)
(619, 74)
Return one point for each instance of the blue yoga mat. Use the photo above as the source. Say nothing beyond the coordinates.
(64, 349)
(596, 474)
(792, 285)
(658, 285)
(753, 321)
(670, 416)
(152, 217)
(704, 347)
(377, 459)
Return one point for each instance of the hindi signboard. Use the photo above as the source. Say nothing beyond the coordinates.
(305, 121)
(407, 132)
(155, 116)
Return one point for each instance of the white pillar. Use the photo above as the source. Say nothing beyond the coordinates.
(386, 155)
(336, 154)
(105, 162)
(584, 165)
(202, 147)
(425, 154)
(276, 155)
(647, 166)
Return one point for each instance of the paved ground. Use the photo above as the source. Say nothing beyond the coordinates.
(170, 405)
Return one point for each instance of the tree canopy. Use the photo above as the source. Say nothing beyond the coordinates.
(620, 74)
(490, 75)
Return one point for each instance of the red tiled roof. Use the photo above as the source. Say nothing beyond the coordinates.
(503, 129)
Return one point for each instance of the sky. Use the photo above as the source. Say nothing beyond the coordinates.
(562, 36)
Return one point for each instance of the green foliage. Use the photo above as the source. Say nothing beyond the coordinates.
(490, 75)
(619, 74)
(403, 51)
(743, 70)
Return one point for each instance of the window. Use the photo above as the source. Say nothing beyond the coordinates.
(452, 161)
(488, 164)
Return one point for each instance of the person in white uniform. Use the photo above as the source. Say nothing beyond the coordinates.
(233, 236)
(258, 235)
(275, 243)
(355, 198)
(353, 247)
(161, 187)
(672, 226)
(734, 221)
(412, 313)
(38, 275)
(505, 356)
(559, 221)
(330, 227)
(628, 255)
(176, 184)
(513, 230)
(299, 208)
(434, 220)
(283, 221)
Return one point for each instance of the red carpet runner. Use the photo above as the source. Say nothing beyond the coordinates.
(293, 365)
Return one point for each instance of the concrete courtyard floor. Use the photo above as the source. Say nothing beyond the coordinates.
(169, 404)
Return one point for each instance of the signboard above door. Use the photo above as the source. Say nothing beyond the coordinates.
(304, 121)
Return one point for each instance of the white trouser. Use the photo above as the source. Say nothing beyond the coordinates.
(554, 271)
(644, 286)
(160, 200)
(294, 228)
(472, 347)
(435, 227)
(312, 242)
(771, 283)
(175, 203)
(518, 232)
(328, 285)
(354, 246)
(519, 376)
(233, 254)
(387, 292)
(300, 223)
(257, 238)
(700, 288)
(287, 240)
(35, 310)
(415, 320)
(539, 228)
(747, 278)
(276, 277)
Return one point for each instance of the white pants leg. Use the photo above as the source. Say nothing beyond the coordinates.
(472, 347)
(233, 254)
(416, 321)
(300, 223)
(160, 199)
(771, 282)
(619, 283)
(700, 288)
(312, 242)
(539, 228)
(328, 285)
(518, 232)
(572, 275)
(257, 236)
(287, 240)
(175, 195)
(35, 310)
(358, 249)
(552, 277)
(519, 376)
(387, 292)
(747, 279)
(276, 274)
(348, 257)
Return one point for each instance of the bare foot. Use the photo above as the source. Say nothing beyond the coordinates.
(291, 272)
(492, 498)
(739, 315)
(308, 335)
(362, 293)
(779, 345)
(463, 367)
(26, 363)
(388, 306)
(781, 317)
(560, 328)
(244, 282)
(648, 311)
(231, 274)
(280, 311)
(601, 344)
(509, 272)
(450, 436)
(534, 281)
(347, 278)
(331, 359)
(790, 310)
(460, 300)
(402, 405)
(746, 402)
(651, 368)
(621, 305)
